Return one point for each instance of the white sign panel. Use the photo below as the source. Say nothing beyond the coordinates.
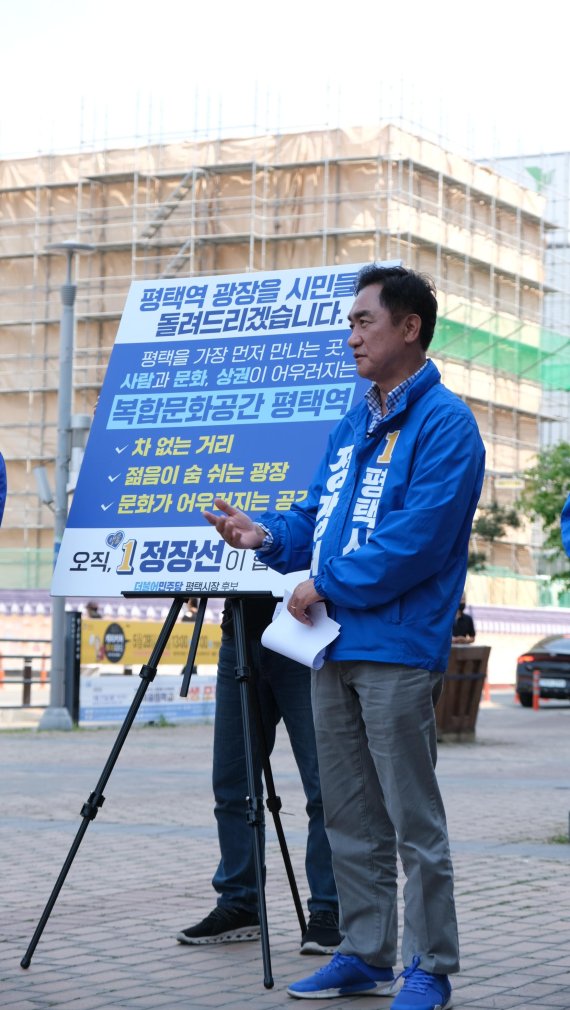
(216, 386)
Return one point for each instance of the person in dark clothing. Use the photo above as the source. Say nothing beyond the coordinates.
(463, 632)
(283, 690)
(93, 611)
(191, 610)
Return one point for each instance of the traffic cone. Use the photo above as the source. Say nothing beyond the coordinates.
(43, 673)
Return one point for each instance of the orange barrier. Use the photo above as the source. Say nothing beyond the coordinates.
(43, 673)
(536, 690)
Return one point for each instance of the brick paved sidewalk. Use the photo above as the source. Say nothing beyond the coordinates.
(144, 867)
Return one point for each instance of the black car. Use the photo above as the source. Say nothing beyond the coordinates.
(551, 657)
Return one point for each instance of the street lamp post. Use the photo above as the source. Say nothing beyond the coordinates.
(56, 716)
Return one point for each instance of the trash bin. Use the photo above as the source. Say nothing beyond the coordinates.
(458, 706)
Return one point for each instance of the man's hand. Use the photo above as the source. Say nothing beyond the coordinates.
(235, 527)
(301, 598)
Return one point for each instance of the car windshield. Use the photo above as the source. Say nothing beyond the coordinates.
(558, 643)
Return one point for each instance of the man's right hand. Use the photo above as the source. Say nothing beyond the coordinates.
(235, 527)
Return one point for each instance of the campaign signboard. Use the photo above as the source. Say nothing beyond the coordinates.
(216, 386)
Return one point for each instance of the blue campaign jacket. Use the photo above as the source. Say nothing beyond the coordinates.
(3, 486)
(565, 526)
(386, 525)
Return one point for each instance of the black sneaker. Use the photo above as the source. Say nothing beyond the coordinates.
(321, 935)
(223, 925)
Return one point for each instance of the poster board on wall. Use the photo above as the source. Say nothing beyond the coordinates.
(129, 643)
(108, 698)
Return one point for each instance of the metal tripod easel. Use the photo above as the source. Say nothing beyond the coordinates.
(254, 806)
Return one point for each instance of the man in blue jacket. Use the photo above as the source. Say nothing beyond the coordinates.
(385, 531)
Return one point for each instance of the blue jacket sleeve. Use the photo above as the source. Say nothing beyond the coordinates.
(565, 526)
(3, 485)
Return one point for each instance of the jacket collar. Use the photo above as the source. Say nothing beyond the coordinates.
(428, 377)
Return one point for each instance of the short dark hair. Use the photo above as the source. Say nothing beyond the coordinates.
(403, 291)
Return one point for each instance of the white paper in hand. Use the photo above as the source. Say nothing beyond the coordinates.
(302, 642)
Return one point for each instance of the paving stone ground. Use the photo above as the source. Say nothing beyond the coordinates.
(143, 870)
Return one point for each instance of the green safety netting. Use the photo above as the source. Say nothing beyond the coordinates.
(26, 568)
(548, 364)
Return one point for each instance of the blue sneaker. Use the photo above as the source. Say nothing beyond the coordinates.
(422, 990)
(346, 975)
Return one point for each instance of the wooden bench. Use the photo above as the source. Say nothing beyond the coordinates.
(458, 706)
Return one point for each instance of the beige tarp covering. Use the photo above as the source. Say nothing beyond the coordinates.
(232, 205)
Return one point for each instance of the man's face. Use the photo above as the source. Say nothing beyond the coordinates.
(380, 347)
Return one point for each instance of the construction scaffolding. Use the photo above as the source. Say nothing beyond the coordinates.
(264, 203)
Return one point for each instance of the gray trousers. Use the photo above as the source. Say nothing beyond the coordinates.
(376, 744)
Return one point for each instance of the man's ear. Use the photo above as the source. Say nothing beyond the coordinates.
(412, 328)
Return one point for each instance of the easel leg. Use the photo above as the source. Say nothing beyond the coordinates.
(273, 804)
(254, 806)
(96, 799)
(193, 646)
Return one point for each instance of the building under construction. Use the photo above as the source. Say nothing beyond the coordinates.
(266, 203)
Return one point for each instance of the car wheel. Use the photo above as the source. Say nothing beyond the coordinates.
(525, 700)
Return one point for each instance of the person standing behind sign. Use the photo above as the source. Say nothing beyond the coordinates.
(385, 528)
(93, 610)
(283, 690)
(463, 632)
